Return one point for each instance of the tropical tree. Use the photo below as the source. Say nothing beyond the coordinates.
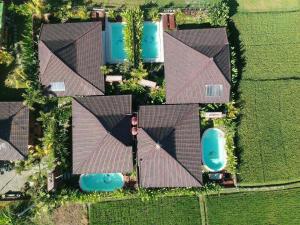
(5, 57)
(105, 70)
(133, 34)
(38, 9)
(16, 79)
(139, 73)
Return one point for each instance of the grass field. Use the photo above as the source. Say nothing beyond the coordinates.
(268, 5)
(269, 132)
(272, 44)
(164, 211)
(255, 208)
(179, 3)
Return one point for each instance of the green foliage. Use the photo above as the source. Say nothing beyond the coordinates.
(6, 218)
(5, 57)
(139, 73)
(152, 13)
(131, 86)
(16, 79)
(200, 16)
(270, 44)
(218, 13)
(55, 124)
(112, 15)
(158, 95)
(168, 210)
(255, 208)
(105, 70)
(133, 32)
(269, 131)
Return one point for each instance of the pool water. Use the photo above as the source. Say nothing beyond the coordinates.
(150, 42)
(101, 182)
(117, 42)
(213, 149)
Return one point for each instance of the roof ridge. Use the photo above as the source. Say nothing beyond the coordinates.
(78, 75)
(49, 57)
(187, 45)
(187, 81)
(80, 36)
(76, 99)
(14, 147)
(184, 116)
(165, 152)
(169, 155)
(225, 46)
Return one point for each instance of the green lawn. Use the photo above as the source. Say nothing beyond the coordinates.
(268, 5)
(269, 132)
(272, 44)
(255, 208)
(164, 211)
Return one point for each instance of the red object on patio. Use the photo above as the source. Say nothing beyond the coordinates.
(165, 21)
(172, 23)
(134, 131)
(134, 121)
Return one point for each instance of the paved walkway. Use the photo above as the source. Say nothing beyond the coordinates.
(11, 181)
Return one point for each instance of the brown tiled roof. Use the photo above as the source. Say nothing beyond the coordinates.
(193, 59)
(101, 134)
(14, 130)
(72, 53)
(169, 151)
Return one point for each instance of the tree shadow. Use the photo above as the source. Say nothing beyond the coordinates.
(194, 26)
(239, 48)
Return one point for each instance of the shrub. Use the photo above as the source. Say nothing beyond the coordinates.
(133, 35)
(218, 13)
(105, 70)
(5, 57)
(158, 95)
(16, 79)
(112, 15)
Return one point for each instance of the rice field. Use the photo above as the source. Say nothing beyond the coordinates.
(164, 211)
(269, 132)
(268, 5)
(272, 44)
(255, 208)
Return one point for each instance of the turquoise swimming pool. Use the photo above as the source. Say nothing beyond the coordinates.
(101, 182)
(213, 149)
(150, 42)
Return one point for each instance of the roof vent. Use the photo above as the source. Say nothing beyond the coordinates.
(157, 146)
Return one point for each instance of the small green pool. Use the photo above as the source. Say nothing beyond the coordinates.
(213, 149)
(101, 182)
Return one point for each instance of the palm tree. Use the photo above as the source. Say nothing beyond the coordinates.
(16, 79)
(5, 58)
(38, 9)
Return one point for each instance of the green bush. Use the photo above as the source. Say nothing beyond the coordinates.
(218, 13)
(133, 35)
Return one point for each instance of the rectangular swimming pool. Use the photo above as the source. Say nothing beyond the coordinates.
(151, 42)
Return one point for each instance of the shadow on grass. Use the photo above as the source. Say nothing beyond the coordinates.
(239, 48)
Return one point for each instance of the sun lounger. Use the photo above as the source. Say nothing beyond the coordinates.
(147, 83)
(113, 78)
